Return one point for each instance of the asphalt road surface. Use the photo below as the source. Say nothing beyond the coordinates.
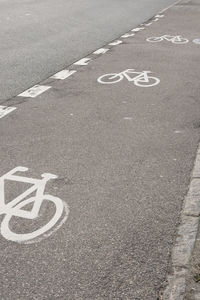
(123, 153)
(38, 38)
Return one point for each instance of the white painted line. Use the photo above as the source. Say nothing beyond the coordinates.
(148, 24)
(4, 110)
(126, 35)
(159, 16)
(173, 4)
(100, 51)
(115, 43)
(137, 29)
(128, 118)
(155, 20)
(83, 62)
(35, 91)
(63, 74)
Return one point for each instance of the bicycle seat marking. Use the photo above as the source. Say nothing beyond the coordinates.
(169, 38)
(141, 79)
(16, 207)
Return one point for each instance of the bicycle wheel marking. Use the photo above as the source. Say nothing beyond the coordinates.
(15, 207)
(140, 79)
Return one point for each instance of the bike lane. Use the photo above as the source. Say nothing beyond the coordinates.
(123, 154)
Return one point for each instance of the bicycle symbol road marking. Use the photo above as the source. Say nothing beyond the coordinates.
(196, 41)
(141, 79)
(170, 38)
(15, 207)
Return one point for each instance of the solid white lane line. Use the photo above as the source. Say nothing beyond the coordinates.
(83, 62)
(101, 51)
(63, 74)
(35, 91)
(126, 35)
(4, 110)
(115, 43)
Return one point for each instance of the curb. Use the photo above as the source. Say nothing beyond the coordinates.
(186, 237)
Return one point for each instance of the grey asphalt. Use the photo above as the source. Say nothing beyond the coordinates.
(38, 38)
(123, 155)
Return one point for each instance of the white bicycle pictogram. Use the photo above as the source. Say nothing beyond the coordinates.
(170, 38)
(15, 207)
(141, 79)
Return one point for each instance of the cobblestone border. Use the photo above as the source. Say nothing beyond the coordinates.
(186, 237)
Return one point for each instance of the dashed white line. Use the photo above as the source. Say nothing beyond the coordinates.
(115, 43)
(83, 61)
(137, 29)
(128, 118)
(4, 110)
(101, 51)
(126, 35)
(159, 16)
(63, 74)
(35, 91)
(39, 89)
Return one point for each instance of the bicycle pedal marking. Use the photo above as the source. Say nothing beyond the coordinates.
(15, 207)
(141, 79)
(178, 39)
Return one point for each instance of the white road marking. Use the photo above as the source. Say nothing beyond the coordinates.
(83, 61)
(101, 51)
(159, 16)
(63, 74)
(15, 208)
(171, 5)
(126, 35)
(4, 110)
(141, 79)
(128, 118)
(35, 91)
(115, 43)
(137, 29)
(39, 89)
(155, 20)
(173, 39)
(196, 41)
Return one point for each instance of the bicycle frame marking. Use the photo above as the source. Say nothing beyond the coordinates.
(141, 79)
(15, 207)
